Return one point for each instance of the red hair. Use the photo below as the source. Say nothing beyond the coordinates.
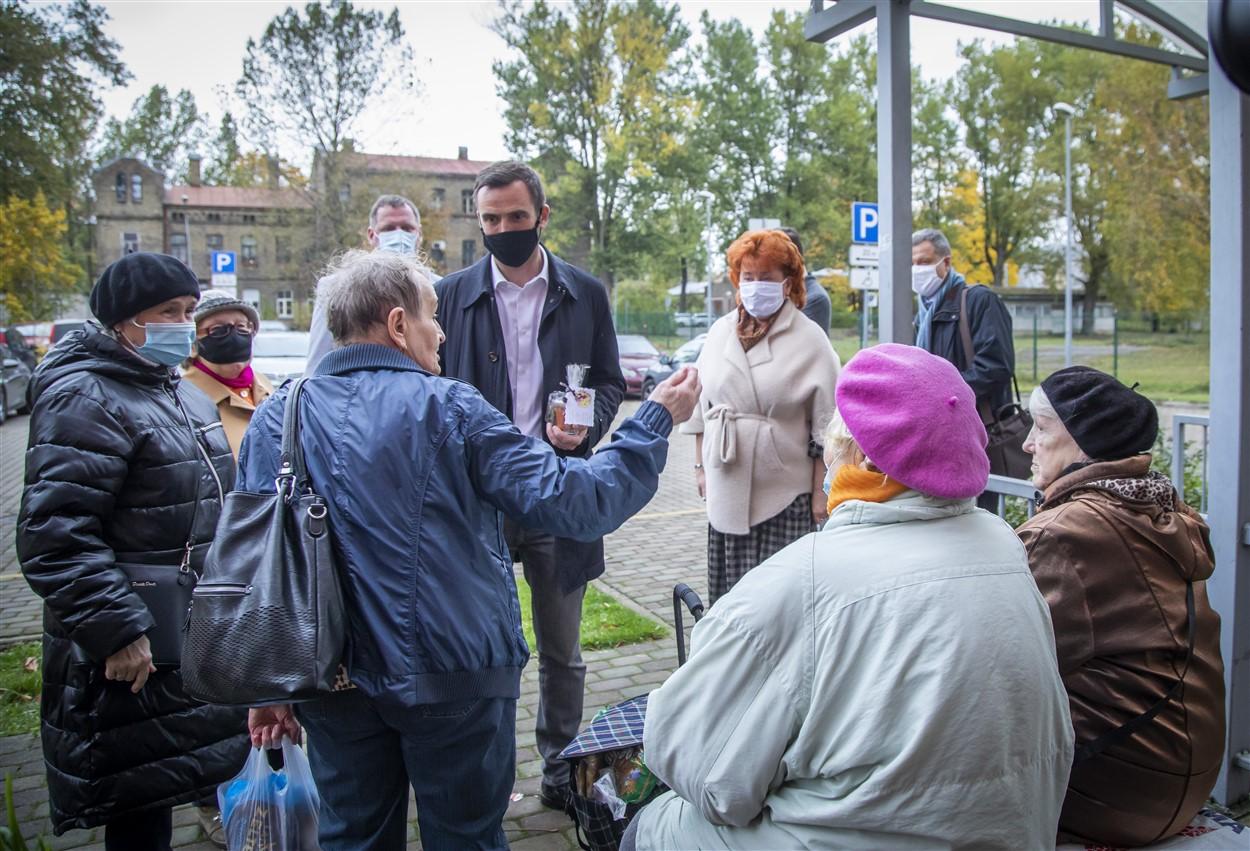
(774, 248)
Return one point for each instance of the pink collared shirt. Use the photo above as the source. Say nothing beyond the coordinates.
(520, 312)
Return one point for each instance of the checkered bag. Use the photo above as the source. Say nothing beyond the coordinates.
(614, 736)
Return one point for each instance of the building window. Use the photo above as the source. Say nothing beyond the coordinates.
(247, 251)
(284, 304)
(438, 198)
(438, 252)
(282, 249)
(213, 217)
(121, 187)
(249, 218)
(345, 193)
(130, 243)
(178, 217)
(213, 242)
(136, 188)
(251, 297)
(466, 201)
(467, 248)
(178, 246)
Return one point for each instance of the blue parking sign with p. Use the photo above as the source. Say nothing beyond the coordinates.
(864, 222)
(223, 262)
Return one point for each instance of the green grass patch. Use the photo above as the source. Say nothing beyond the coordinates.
(20, 680)
(605, 622)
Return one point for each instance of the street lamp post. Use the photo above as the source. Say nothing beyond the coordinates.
(1068, 111)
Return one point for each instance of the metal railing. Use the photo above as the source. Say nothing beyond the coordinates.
(1179, 421)
(1004, 486)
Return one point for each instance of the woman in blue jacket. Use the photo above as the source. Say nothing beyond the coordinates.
(417, 469)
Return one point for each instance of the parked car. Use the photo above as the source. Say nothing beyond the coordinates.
(274, 325)
(14, 379)
(687, 353)
(637, 356)
(19, 346)
(37, 334)
(690, 320)
(61, 327)
(280, 354)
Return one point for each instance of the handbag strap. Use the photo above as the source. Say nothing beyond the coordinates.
(292, 464)
(185, 565)
(1128, 728)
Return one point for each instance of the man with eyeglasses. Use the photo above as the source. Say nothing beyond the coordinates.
(394, 225)
(220, 366)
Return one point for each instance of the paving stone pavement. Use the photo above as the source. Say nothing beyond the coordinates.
(664, 544)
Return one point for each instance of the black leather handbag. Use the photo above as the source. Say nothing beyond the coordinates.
(267, 622)
(1009, 426)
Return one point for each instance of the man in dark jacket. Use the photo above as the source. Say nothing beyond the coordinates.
(416, 470)
(818, 307)
(514, 321)
(126, 466)
(941, 289)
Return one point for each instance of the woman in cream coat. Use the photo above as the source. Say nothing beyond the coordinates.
(768, 376)
(888, 682)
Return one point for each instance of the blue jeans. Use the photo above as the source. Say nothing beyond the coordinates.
(459, 758)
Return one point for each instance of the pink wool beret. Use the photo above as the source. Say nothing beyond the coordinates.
(914, 416)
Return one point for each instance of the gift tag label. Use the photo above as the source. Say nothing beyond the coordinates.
(579, 408)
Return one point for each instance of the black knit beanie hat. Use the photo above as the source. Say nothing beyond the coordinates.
(1108, 420)
(139, 281)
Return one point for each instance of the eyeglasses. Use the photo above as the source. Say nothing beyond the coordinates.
(220, 332)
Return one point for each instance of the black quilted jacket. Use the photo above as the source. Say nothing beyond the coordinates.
(113, 473)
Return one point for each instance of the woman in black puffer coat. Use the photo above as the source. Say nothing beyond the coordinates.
(123, 459)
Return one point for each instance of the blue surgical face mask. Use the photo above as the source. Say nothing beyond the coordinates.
(828, 480)
(168, 343)
(397, 241)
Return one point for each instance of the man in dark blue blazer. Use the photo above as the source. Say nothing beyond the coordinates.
(514, 321)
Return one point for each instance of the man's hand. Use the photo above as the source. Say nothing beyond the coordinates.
(567, 440)
(268, 724)
(679, 393)
(131, 664)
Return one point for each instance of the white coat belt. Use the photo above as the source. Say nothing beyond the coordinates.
(722, 420)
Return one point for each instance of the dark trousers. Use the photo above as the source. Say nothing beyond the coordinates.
(558, 634)
(146, 830)
(459, 758)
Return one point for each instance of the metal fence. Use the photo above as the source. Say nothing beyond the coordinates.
(1180, 451)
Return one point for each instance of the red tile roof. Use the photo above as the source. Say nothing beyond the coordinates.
(236, 196)
(385, 163)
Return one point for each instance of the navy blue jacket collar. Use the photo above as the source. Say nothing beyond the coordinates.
(359, 356)
(559, 279)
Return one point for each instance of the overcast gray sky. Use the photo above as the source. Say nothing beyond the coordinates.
(198, 45)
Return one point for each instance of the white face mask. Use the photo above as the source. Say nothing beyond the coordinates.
(925, 280)
(762, 298)
(398, 241)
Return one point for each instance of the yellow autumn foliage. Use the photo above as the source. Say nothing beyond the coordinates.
(34, 270)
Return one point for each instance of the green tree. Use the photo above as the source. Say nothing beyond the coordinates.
(310, 78)
(938, 158)
(54, 62)
(36, 276)
(224, 152)
(597, 99)
(161, 130)
(1004, 103)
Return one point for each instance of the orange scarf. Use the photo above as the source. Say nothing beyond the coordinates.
(851, 482)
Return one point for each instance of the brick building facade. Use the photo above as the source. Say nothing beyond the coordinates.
(273, 230)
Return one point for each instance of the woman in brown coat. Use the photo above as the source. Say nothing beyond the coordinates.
(221, 364)
(1123, 563)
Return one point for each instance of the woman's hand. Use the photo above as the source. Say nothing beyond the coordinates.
(268, 724)
(820, 499)
(700, 481)
(131, 664)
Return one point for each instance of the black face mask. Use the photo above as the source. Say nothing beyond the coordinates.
(512, 247)
(232, 348)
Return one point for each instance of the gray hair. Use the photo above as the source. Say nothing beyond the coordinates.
(1039, 403)
(932, 235)
(360, 288)
(392, 201)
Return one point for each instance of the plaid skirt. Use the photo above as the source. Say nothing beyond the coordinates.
(729, 557)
